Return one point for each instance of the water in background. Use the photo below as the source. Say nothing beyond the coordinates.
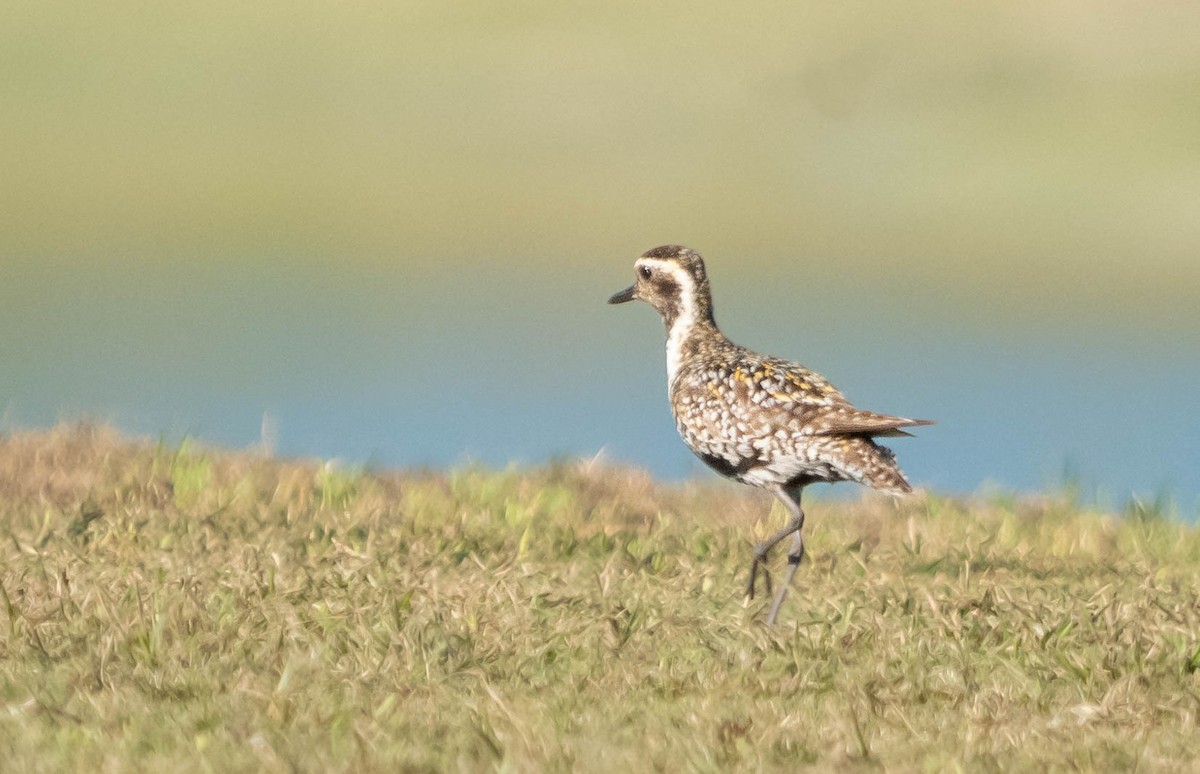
(391, 231)
(520, 365)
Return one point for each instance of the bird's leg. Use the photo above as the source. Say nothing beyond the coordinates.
(764, 548)
(760, 557)
(795, 554)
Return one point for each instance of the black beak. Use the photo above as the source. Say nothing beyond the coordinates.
(625, 295)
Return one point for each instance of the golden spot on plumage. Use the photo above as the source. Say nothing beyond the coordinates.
(783, 397)
(741, 376)
(800, 382)
(714, 389)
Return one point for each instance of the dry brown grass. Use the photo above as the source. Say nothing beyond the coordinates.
(190, 609)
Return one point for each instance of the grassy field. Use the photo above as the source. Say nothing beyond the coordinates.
(183, 609)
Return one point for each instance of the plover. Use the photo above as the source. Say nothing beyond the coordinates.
(760, 420)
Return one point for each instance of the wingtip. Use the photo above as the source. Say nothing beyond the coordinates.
(868, 423)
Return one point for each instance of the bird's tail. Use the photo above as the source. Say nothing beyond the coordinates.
(878, 469)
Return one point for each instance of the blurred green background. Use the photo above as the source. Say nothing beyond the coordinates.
(390, 227)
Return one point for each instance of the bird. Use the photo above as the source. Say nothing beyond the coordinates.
(759, 420)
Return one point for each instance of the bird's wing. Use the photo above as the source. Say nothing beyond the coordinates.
(847, 420)
(761, 395)
(786, 384)
(797, 390)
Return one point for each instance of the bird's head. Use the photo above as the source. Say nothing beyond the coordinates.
(671, 279)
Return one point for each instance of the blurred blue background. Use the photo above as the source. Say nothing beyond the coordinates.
(390, 229)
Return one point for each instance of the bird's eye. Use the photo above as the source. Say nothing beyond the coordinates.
(645, 272)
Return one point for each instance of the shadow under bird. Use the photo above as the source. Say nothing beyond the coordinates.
(758, 419)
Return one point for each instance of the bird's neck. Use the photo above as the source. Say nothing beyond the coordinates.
(692, 323)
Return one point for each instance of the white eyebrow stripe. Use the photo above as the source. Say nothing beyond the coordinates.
(686, 319)
(677, 272)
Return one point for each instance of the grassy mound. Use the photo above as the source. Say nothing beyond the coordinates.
(180, 609)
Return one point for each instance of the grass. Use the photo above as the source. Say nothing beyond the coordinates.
(186, 609)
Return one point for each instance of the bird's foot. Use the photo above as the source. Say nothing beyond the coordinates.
(794, 560)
